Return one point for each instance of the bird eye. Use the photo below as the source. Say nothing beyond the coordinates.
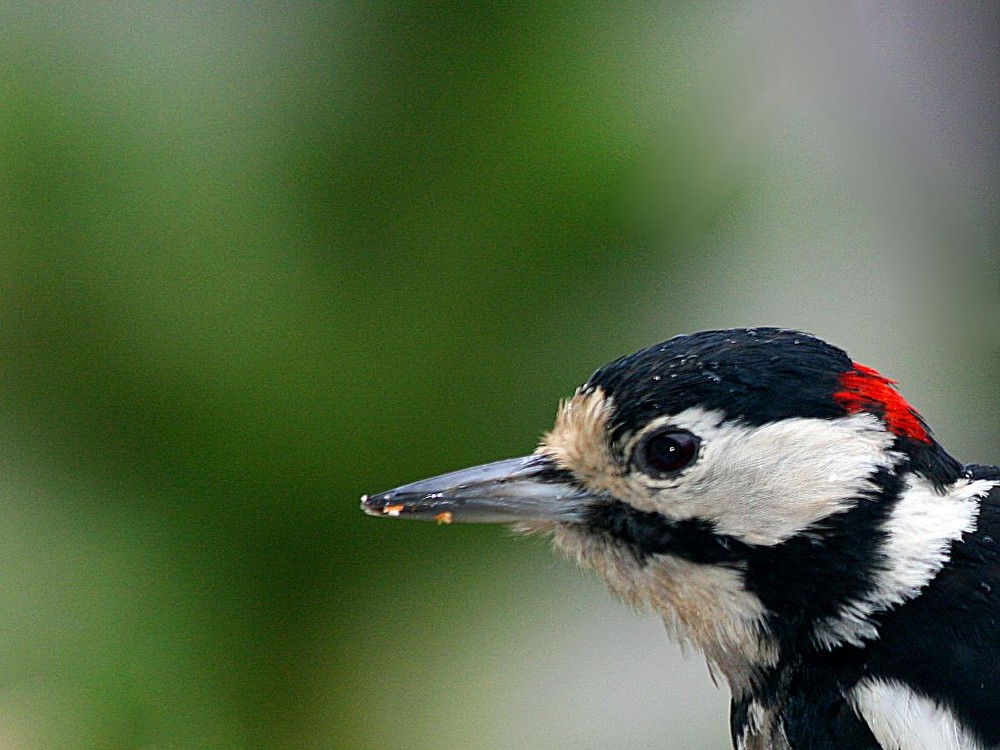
(663, 454)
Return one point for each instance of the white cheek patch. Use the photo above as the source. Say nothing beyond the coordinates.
(901, 719)
(765, 484)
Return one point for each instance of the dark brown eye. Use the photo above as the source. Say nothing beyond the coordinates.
(663, 454)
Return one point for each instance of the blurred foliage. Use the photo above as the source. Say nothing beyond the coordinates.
(258, 260)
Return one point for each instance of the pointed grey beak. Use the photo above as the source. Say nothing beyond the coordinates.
(530, 488)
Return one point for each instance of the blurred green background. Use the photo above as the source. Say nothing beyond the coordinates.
(260, 259)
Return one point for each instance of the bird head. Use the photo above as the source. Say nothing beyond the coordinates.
(755, 487)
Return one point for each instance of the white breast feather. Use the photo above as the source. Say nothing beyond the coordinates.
(902, 720)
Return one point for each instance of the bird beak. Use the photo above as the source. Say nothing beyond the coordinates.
(531, 488)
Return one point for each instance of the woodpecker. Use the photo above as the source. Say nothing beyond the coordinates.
(789, 515)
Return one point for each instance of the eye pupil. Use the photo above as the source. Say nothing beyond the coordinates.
(666, 453)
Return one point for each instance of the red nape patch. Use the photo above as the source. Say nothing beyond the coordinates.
(865, 389)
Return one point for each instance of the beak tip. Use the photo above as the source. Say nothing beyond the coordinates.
(383, 505)
(371, 506)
